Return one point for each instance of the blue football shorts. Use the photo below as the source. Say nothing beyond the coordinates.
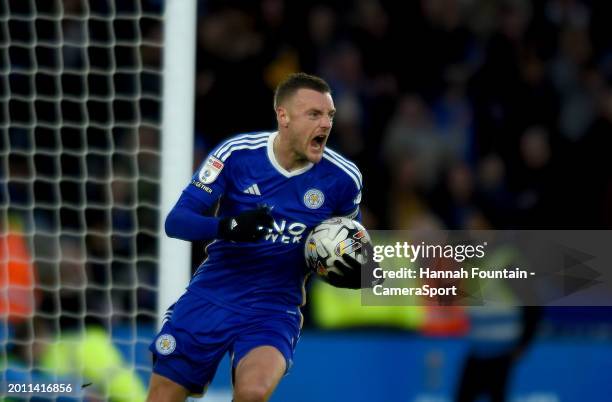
(197, 333)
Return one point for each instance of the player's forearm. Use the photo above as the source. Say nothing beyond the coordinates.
(187, 225)
(187, 222)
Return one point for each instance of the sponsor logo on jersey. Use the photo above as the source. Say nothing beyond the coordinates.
(284, 232)
(211, 169)
(202, 186)
(165, 344)
(313, 198)
(253, 189)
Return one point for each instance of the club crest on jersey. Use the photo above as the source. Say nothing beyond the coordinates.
(313, 198)
(210, 170)
(165, 344)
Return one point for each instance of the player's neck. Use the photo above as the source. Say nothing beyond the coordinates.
(285, 157)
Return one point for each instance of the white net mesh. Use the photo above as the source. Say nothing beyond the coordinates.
(79, 174)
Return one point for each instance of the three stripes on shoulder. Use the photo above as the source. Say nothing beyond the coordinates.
(255, 141)
(246, 141)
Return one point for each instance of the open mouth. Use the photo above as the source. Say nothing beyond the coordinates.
(318, 142)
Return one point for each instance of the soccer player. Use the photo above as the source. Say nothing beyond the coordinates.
(270, 189)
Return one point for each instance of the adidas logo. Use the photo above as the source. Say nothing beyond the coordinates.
(254, 189)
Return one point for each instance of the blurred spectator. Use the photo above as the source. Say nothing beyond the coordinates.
(494, 196)
(456, 202)
(576, 81)
(344, 69)
(318, 37)
(499, 333)
(412, 136)
(453, 116)
(534, 180)
(590, 166)
(230, 57)
(498, 337)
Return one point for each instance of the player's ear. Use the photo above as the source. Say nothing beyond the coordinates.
(282, 115)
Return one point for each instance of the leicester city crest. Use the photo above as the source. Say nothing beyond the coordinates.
(165, 344)
(313, 198)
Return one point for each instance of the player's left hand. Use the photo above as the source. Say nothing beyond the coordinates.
(352, 270)
(251, 225)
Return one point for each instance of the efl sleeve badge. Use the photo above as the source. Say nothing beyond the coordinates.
(210, 170)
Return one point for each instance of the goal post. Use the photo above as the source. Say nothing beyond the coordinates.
(177, 141)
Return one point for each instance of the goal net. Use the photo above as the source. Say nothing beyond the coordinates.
(79, 192)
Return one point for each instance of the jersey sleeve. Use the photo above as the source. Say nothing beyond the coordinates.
(208, 183)
(191, 218)
(350, 198)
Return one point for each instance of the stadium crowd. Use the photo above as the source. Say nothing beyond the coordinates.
(469, 113)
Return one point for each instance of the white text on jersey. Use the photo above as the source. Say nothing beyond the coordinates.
(293, 235)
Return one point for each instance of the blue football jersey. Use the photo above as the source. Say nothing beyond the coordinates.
(242, 173)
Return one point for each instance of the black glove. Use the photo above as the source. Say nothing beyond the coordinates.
(352, 271)
(248, 226)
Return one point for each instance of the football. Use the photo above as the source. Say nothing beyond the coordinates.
(332, 238)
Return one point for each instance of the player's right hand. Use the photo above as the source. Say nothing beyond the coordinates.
(250, 225)
(355, 275)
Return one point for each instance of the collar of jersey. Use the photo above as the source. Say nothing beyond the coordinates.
(277, 166)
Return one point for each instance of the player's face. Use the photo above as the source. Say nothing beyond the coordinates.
(310, 117)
